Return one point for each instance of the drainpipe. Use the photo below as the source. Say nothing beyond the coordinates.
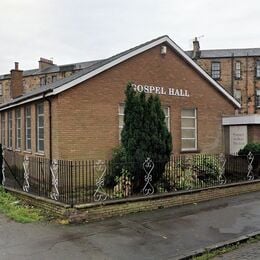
(247, 83)
(232, 74)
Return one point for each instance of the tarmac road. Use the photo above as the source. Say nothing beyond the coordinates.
(161, 234)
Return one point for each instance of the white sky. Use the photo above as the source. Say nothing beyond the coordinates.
(72, 31)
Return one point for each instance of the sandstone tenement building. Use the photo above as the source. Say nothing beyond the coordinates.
(237, 70)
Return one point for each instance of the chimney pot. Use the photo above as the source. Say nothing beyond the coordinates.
(16, 65)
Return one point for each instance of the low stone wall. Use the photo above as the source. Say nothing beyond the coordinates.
(56, 208)
(102, 210)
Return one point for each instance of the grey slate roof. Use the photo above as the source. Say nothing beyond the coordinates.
(54, 69)
(89, 66)
(227, 53)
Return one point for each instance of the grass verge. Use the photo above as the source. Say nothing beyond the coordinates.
(15, 210)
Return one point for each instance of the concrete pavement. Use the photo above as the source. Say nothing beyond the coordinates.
(162, 234)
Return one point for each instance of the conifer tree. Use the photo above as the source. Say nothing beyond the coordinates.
(145, 134)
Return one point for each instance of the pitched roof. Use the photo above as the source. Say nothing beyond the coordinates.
(227, 53)
(54, 69)
(102, 65)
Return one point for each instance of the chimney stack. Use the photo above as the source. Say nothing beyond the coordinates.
(45, 63)
(16, 88)
(196, 49)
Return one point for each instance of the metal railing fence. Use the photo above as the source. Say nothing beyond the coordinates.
(89, 181)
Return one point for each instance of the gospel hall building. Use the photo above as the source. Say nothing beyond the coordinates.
(81, 116)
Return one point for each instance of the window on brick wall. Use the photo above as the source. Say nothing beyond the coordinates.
(28, 128)
(257, 69)
(238, 70)
(40, 127)
(18, 135)
(257, 98)
(3, 128)
(238, 95)
(121, 114)
(189, 129)
(215, 70)
(10, 129)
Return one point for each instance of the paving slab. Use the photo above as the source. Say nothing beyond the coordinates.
(161, 234)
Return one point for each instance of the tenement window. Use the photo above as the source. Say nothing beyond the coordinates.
(121, 114)
(238, 95)
(18, 128)
(188, 129)
(215, 70)
(238, 70)
(3, 128)
(258, 69)
(10, 132)
(257, 98)
(28, 131)
(42, 81)
(40, 127)
(53, 78)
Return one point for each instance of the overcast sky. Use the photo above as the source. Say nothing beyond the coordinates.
(72, 31)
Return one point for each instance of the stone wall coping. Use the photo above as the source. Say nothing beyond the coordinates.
(57, 203)
(160, 196)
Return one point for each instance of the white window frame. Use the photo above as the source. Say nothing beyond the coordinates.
(18, 135)
(238, 70)
(215, 69)
(28, 128)
(10, 129)
(257, 69)
(120, 114)
(166, 110)
(257, 97)
(190, 128)
(39, 127)
(121, 107)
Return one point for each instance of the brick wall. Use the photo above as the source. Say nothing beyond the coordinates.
(93, 212)
(94, 120)
(85, 118)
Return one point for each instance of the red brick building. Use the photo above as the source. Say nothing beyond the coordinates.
(81, 116)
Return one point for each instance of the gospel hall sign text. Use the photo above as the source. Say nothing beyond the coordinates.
(161, 90)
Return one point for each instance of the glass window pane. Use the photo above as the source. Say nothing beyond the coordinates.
(41, 133)
(41, 121)
(188, 144)
(188, 122)
(188, 113)
(188, 133)
(41, 145)
(121, 121)
(121, 109)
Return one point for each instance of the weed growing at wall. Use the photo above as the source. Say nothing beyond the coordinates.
(12, 208)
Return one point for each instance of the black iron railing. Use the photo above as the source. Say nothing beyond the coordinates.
(88, 181)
